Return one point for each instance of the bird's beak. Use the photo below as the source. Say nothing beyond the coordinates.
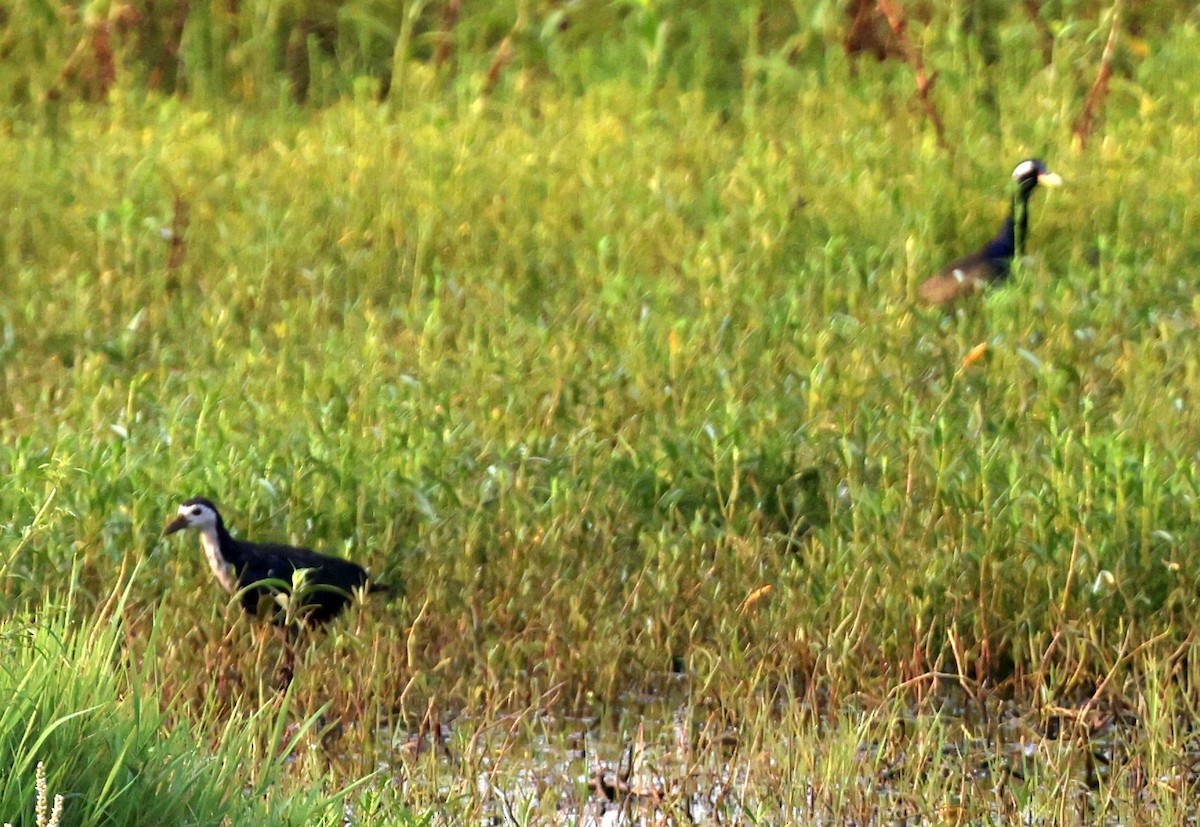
(177, 524)
(1050, 179)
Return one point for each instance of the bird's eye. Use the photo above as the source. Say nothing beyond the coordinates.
(196, 511)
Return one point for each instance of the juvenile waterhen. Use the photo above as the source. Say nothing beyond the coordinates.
(991, 264)
(258, 572)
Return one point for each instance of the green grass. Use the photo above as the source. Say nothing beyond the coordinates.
(85, 720)
(584, 363)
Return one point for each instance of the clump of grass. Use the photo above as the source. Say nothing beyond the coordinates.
(88, 722)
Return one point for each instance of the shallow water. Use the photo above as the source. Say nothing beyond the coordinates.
(662, 759)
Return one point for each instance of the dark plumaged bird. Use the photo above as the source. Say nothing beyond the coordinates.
(257, 571)
(991, 264)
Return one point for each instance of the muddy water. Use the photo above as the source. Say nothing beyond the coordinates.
(661, 759)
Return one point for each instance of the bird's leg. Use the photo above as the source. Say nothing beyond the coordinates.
(287, 669)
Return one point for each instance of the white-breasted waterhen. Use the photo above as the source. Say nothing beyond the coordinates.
(255, 571)
(991, 264)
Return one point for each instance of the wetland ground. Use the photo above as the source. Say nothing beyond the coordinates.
(595, 333)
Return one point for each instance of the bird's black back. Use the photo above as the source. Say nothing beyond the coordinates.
(993, 261)
(988, 265)
(328, 586)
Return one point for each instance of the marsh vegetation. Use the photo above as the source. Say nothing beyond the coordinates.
(593, 326)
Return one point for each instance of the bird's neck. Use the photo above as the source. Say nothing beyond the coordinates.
(1019, 217)
(1010, 241)
(222, 555)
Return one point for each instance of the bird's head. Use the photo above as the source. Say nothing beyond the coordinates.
(197, 513)
(1031, 172)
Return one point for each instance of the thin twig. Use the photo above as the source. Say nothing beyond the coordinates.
(898, 21)
(445, 38)
(1045, 35)
(1099, 91)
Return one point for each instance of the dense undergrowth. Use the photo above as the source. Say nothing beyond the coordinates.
(82, 724)
(609, 358)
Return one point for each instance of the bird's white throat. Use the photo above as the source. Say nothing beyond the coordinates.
(221, 568)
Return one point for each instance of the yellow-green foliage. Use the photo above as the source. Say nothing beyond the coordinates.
(84, 721)
(583, 362)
